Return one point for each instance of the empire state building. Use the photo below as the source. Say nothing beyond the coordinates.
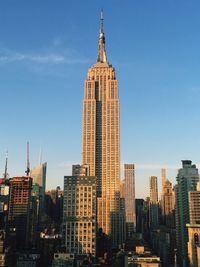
(101, 138)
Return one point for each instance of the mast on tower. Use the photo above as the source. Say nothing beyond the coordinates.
(101, 44)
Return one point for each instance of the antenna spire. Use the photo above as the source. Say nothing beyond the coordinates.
(101, 28)
(28, 162)
(101, 44)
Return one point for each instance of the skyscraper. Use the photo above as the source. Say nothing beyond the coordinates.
(187, 179)
(101, 138)
(38, 175)
(167, 204)
(129, 176)
(153, 205)
(163, 176)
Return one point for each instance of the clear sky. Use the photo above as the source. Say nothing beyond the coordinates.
(46, 48)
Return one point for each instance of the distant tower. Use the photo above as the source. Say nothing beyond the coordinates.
(187, 179)
(38, 175)
(163, 176)
(101, 138)
(153, 209)
(129, 175)
(167, 204)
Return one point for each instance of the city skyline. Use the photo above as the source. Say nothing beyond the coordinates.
(42, 92)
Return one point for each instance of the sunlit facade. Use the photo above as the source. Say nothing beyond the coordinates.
(101, 139)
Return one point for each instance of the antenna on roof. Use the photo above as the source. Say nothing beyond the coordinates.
(101, 26)
(28, 162)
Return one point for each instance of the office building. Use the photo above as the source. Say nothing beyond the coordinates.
(194, 205)
(122, 211)
(79, 214)
(101, 138)
(193, 244)
(129, 176)
(153, 204)
(194, 226)
(187, 179)
(38, 175)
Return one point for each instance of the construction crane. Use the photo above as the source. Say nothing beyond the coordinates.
(5, 175)
(28, 162)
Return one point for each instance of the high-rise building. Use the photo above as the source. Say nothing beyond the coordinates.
(39, 177)
(19, 215)
(167, 204)
(79, 214)
(101, 138)
(193, 244)
(163, 176)
(194, 226)
(153, 204)
(187, 179)
(129, 176)
(122, 211)
(4, 197)
(139, 206)
(194, 205)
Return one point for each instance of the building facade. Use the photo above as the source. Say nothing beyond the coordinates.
(19, 214)
(194, 227)
(79, 214)
(167, 204)
(39, 177)
(129, 176)
(187, 179)
(193, 244)
(101, 138)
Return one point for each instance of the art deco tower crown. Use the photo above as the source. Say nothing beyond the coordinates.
(101, 138)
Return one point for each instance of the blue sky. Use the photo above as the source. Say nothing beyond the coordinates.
(46, 48)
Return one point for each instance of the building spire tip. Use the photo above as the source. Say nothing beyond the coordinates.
(101, 45)
(101, 28)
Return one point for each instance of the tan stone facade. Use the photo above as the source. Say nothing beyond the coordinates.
(101, 139)
(193, 244)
